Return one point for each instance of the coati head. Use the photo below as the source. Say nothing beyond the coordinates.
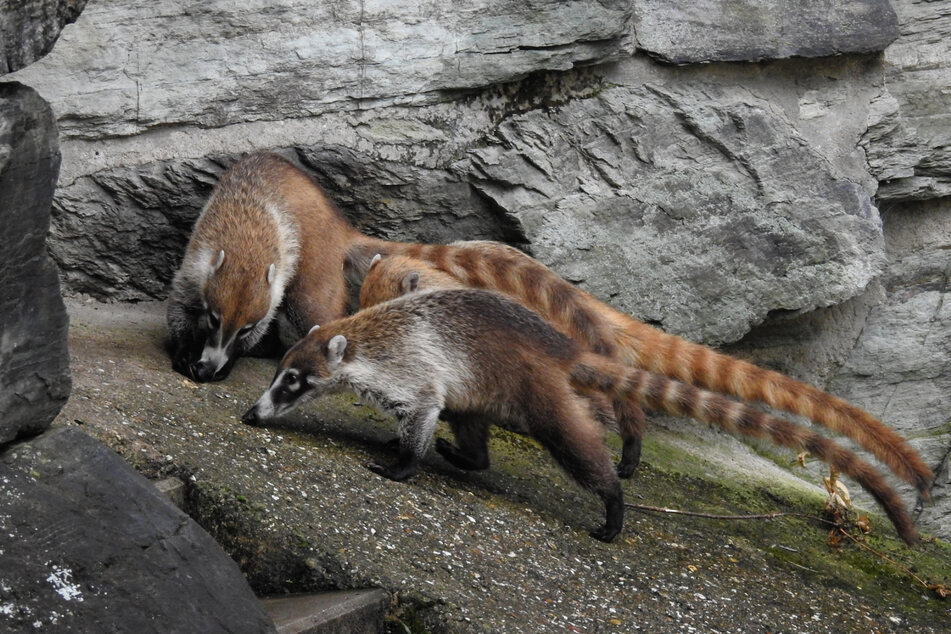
(308, 370)
(398, 275)
(238, 302)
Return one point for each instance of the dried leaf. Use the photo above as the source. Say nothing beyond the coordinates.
(863, 523)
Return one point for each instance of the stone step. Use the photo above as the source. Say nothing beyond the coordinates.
(341, 612)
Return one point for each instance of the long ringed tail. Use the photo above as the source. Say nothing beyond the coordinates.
(664, 394)
(704, 367)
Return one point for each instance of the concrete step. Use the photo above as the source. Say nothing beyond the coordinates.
(341, 612)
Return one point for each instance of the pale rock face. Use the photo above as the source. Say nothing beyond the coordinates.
(137, 65)
(721, 30)
(909, 135)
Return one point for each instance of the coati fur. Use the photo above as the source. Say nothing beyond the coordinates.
(481, 354)
(267, 238)
(329, 244)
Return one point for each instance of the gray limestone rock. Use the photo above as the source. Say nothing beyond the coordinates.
(89, 545)
(34, 365)
(909, 137)
(727, 30)
(131, 67)
(701, 211)
(898, 368)
(29, 29)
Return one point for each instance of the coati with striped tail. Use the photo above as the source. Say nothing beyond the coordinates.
(479, 353)
(267, 237)
(398, 275)
(599, 328)
(329, 244)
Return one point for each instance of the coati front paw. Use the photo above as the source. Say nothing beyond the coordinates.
(397, 472)
(625, 469)
(182, 363)
(605, 533)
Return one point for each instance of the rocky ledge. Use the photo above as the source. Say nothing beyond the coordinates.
(501, 550)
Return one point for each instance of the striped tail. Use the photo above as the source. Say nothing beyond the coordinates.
(704, 367)
(664, 394)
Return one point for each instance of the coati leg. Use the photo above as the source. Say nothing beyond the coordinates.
(471, 451)
(632, 424)
(576, 443)
(416, 429)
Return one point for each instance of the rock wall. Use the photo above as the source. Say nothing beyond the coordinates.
(773, 175)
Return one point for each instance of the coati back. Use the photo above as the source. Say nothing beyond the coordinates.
(601, 329)
(267, 235)
(479, 353)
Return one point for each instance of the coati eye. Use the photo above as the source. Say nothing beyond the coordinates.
(214, 320)
(246, 330)
(290, 379)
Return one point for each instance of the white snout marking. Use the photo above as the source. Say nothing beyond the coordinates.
(264, 408)
(216, 356)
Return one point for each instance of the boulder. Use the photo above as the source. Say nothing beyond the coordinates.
(34, 364)
(699, 210)
(88, 545)
(29, 29)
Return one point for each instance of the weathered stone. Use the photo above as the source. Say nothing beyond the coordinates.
(34, 364)
(135, 65)
(910, 135)
(688, 209)
(28, 30)
(721, 30)
(88, 545)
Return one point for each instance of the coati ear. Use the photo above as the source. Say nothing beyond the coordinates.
(335, 349)
(218, 261)
(313, 328)
(271, 270)
(376, 258)
(410, 282)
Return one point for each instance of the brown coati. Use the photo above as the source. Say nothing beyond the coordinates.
(472, 352)
(398, 275)
(482, 355)
(601, 329)
(316, 291)
(267, 235)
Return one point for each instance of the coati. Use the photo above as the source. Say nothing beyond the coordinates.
(267, 235)
(477, 352)
(316, 291)
(398, 275)
(601, 329)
